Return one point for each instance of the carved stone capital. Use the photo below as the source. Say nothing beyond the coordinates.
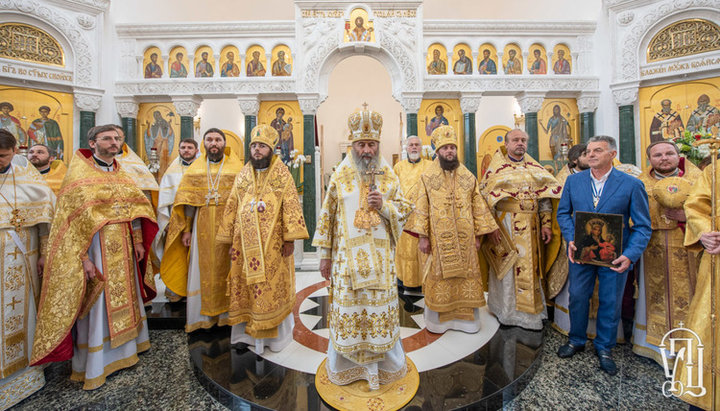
(625, 96)
(530, 103)
(127, 109)
(186, 106)
(88, 102)
(469, 103)
(309, 104)
(588, 102)
(411, 102)
(249, 105)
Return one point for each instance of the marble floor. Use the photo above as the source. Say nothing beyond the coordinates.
(164, 377)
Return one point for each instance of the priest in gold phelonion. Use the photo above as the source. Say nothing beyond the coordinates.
(262, 219)
(360, 222)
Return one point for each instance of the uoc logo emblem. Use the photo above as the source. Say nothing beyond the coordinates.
(682, 343)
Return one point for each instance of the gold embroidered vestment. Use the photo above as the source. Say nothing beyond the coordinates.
(364, 316)
(670, 269)
(92, 202)
(513, 189)
(262, 212)
(194, 191)
(450, 211)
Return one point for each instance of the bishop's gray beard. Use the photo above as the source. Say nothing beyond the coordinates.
(448, 165)
(363, 164)
(261, 163)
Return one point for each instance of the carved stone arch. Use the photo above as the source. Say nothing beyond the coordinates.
(643, 29)
(79, 57)
(338, 54)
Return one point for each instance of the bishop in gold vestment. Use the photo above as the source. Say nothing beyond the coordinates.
(189, 267)
(360, 222)
(407, 258)
(26, 210)
(97, 273)
(262, 219)
(669, 270)
(450, 216)
(519, 191)
(699, 237)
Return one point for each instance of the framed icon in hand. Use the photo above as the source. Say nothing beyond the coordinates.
(598, 238)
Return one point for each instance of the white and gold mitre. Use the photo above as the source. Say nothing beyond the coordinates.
(365, 125)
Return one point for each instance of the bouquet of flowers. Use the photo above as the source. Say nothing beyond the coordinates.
(688, 150)
(295, 165)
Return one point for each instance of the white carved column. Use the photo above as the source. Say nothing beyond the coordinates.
(187, 108)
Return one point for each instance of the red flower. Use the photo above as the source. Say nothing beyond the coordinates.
(697, 137)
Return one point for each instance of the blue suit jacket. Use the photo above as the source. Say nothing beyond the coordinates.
(622, 194)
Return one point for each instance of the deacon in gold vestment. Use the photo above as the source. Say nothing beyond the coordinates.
(698, 237)
(198, 208)
(669, 270)
(519, 191)
(53, 171)
(187, 151)
(26, 210)
(360, 222)
(97, 273)
(450, 217)
(262, 219)
(407, 258)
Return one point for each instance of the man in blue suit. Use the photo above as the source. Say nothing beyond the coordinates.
(601, 189)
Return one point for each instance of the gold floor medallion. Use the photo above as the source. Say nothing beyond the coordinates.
(357, 396)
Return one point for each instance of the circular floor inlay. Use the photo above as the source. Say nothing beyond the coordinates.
(357, 396)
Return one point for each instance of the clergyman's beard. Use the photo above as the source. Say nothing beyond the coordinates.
(39, 163)
(413, 157)
(261, 163)
(581, 166)
(215, 157)
(363, 164)
(448, 165)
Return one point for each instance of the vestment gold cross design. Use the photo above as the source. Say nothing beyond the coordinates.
(17, 220)
(212, 195)
(15, 253)
(372, 172)
(365, 106)
(13, 303)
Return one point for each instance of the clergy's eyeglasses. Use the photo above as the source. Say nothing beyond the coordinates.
(109, 138)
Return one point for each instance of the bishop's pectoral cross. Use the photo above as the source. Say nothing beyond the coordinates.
(212, 195)
(372, 172)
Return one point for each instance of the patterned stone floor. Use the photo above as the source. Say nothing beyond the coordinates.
(164, 380)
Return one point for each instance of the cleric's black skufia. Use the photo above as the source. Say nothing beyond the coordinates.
(598, 238)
